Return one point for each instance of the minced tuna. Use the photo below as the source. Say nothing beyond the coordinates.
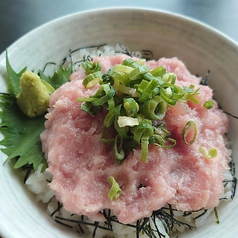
(181, 176)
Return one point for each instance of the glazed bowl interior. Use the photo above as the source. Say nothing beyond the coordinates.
(160, 33)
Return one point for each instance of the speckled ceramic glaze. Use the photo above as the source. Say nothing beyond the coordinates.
(165, 34)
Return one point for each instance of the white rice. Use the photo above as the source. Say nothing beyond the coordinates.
(38, 182)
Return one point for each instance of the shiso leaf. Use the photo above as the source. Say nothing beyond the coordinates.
(13, 82)
(60, 77)
(21, 133)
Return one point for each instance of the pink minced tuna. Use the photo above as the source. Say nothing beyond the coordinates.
(181, 176)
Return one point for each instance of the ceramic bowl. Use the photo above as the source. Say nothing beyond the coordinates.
(165, 35)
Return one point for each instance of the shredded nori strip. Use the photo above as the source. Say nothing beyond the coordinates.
(147, 54)
(205, 80)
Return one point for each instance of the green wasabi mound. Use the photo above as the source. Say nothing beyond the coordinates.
(33, 98)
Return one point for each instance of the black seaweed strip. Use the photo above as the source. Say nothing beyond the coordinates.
(156, 227)
(200, 214)
(88, 47)
(149, 231)
(64, 60)
(114, 219)
(186, 214)
(81, 229)
(95, 229)
(234, 180)
(137, 228)
(67, 219)
(236, 117)
(82, 222)
(96, 224)
(172, 216)
(124, 51)
(204, 80)
(108, 218)
(147, 54)
(234, 187)
(225, 182)
(60, 222)
(143, 227)
(57, 209)
(161, 214)
(49, 63)
(85, 57)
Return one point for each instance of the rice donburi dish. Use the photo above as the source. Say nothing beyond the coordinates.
(128, 147)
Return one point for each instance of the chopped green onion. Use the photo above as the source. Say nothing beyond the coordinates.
(208, 104)
(121, 131)
(106, 135)
(115, 190)
(91, 67)
(146, 89)
(155, 108)
(211, 153)
(108, 121)
(124, 121)
(190, 94)
(92, 79)
(131, 106)
(149, 77)
(124, 89)
(134, 96)
(145, 125)
(169, 143)
(144, 147)
(122, 68)
(90, 109)
(118, 151)
(156, 139)
(138, 72)
(105, 93)
(131, 63)
(190, 130)
(171, 93)
(169, 78)
(120, 77)
(159, 71)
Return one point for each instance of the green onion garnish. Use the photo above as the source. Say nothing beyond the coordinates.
(91, 67)
(190, 130)
(208, 154)
(134, 97)
(190, 94)
(115, 190)
(92, 79)
(208, 104)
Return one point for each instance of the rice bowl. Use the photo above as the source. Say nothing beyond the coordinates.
(178, 38)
